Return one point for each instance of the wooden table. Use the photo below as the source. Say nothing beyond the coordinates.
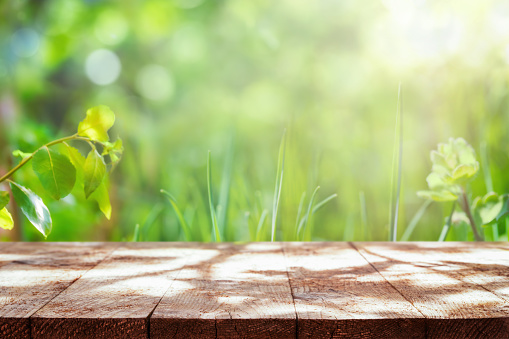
(262, 290)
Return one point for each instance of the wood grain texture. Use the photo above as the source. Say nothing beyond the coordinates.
(338, 294)
(229, 291)
(31, 274)
(438, 280)
(116, 298)
(484, 264)
(262, 290)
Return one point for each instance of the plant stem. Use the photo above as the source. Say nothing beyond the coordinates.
(27, 159)
(466, 208)
(447, 225)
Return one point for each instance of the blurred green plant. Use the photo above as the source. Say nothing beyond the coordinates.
(454, 166)
(299, 233)
(58, 173)
(490, 211)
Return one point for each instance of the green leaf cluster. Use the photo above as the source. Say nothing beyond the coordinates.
(491, 209)
(59, 173)
(454, 165)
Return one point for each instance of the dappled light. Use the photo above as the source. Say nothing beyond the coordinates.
(273, 289)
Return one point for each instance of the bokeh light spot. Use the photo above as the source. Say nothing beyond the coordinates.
(25, 42)
(155, 83)
(102, 67)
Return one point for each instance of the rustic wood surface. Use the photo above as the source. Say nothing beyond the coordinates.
(32, 274)
(260, 290)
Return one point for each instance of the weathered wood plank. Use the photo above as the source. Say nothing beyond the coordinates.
(32, 274)
(485, 264)
(115, 299)
(338, 294)
(6, 255)
(230, 291)
(439, 280)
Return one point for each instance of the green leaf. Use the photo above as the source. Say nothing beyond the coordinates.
(103, 199)
(94, 172)
(491, 208)
(19, 153)
(490, 197)
(4, 199)
(77, 159)
(101, 193)
(55, 172)
(33, 208)
(438, 195)
(6, 221)
(489, 212)
(435, 181)
(463, 171)
(97, 123)
(114, 151)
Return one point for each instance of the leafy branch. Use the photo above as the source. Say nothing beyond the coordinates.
(59, 173)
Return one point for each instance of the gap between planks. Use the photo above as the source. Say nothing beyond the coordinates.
(320, 300)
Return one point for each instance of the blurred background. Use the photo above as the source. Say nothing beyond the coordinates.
(188, 76)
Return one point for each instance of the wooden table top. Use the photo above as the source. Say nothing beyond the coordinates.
(259, 290)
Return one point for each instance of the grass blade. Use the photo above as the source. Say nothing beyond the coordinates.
(397, 158)
(364, 215)
(155, 212)
(323, 202)
(215, 229)
(224, 192)
(299, 212)
(488, 181)
(180, 216)
(415, 220)
(447, 225)
(279, 184)
(305, 219)
(259, 228)
(136, 236)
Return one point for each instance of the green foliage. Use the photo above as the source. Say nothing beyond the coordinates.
(55, 171)
(448, 223)
(180, 216)
(261, 214)
(33, 208)
(312, 209)
(20, 154)
(4, 199)
(58, 173)
(94, 171)
(279, 185)
(114, 151)
(213, 218)
(6, 221)
(97, 123)
(487, 210)
(278, 69)
(304, 222)
(101, 196)
(454, 165)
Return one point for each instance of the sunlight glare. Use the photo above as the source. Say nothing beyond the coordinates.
(102, 67)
